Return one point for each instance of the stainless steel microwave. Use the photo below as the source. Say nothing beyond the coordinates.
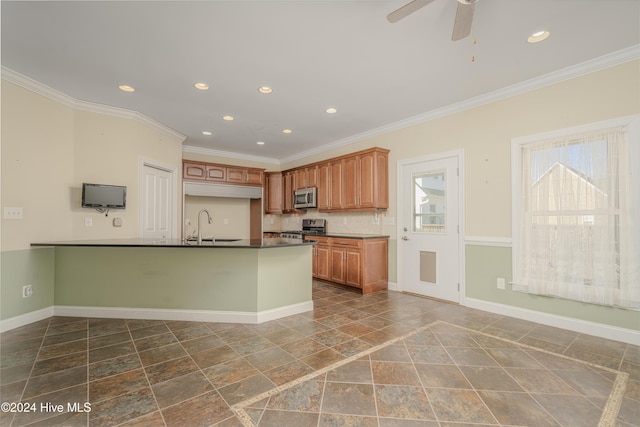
(304, 198)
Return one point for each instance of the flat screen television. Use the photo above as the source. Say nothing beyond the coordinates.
(100, 196)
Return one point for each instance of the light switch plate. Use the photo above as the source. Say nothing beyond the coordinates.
(12, 213)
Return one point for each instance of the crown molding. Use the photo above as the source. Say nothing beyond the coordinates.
(91, 107)
(610, 60)
(607, 61)
(229, 154)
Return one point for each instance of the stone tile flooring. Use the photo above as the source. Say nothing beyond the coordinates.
(385, 359)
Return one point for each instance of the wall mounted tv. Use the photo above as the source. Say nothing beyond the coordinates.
(104, 197)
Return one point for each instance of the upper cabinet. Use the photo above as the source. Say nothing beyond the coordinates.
(223, 174)
(273, 192)
(306, 177)
(357, 182)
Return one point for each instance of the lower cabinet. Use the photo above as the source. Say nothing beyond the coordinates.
(361, 263)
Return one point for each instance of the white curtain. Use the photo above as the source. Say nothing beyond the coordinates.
(579, 229)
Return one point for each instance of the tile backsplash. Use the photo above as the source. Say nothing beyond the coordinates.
(337, 222)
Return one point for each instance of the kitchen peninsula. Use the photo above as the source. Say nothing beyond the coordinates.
(242, 281)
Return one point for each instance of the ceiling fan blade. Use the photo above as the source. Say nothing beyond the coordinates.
(464, 19)
(407, 9)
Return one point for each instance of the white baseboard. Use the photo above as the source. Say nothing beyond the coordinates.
(25, 319)
(157, 314)
(629, 336)
(392, 286)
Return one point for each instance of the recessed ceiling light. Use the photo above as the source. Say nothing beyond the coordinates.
(331, 110)
(126, 88)
(287, 131)
(228, 118)
(207, 133)
(538, 36)
(260, 142)
(201, 86)
(265, 89)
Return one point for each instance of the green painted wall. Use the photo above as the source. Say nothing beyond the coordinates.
(182, 278)
(33, 267)
(484, 264)
(284, 277)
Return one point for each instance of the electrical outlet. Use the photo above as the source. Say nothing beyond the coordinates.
(12, 213)
(88, 221)
(500, 283)
(27, 291)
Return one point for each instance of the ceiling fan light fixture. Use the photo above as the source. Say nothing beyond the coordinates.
(538, 36)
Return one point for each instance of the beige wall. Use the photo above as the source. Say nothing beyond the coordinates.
(231, 219)
(485, 133)
(49, 150)
(37, 167)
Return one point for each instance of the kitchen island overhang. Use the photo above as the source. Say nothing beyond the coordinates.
(244, 281)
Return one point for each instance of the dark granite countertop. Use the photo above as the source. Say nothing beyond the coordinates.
(177, 243)
(343, 235)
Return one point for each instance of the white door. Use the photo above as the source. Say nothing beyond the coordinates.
(429, 239)
(156, 203)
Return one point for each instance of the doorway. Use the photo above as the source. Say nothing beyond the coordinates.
(429, 235)
(157, 201)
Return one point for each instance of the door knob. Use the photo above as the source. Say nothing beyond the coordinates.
(405, 238)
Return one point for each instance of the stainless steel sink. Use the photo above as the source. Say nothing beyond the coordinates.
(211, 239)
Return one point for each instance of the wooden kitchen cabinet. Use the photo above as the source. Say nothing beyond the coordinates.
(346, 257)
(194, 171)
(273, 192)
(366, 181)
(320, 262)
(357, 262)
(306, 177)
(223, 174)
(355, 182)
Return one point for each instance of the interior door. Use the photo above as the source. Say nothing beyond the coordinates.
(429, 231)
(156, 203)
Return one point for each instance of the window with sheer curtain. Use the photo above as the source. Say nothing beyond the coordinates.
(576, 231)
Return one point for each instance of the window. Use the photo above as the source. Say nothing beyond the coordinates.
(576, 215)
(429, 202)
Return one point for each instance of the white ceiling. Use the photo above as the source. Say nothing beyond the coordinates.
(315, 54)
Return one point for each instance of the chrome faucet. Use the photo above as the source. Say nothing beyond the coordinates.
(199, 231)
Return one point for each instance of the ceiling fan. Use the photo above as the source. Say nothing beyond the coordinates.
(461, 25)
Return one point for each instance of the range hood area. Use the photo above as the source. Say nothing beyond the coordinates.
(218, 190)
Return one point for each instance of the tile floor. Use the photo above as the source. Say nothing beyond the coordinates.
(385, 359)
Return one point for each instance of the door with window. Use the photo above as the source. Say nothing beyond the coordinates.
(429, 239)
(156, 203)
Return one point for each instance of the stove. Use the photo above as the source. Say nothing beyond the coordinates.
(309, 227)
